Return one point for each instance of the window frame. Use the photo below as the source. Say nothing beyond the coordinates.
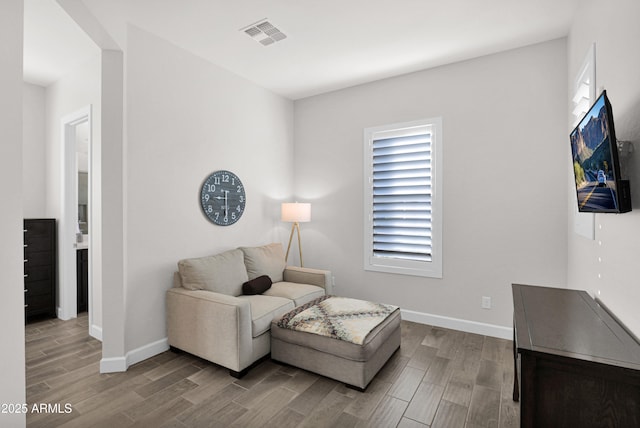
(432, 268)
(584, 94)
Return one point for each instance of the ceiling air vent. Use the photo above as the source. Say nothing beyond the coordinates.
(264, 32)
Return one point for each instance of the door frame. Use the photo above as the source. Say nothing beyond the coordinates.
(67, 284)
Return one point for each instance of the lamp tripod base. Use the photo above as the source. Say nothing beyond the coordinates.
(295, 226)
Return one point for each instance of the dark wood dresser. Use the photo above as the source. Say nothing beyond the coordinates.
(578, 366)
(40, 259)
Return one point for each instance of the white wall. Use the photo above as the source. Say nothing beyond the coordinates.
(34, 197)
(113, 216)
(504, 125)
(613, 255)
(66, 96)
(12, 387)
(185, 119)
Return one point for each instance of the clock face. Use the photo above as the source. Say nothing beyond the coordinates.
(222, 198)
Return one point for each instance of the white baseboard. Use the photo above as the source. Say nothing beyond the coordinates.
(95, 332)
(61, 315)
(147, 351)
(121, 364)
(113, 365)
(458, 324)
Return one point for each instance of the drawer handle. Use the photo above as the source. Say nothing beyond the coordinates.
(26, 275)
(26, 306)
(24, 230)
(25, 290)
(26, 260)
(25, 245)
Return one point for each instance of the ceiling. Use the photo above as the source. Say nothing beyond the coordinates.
(330, 44)
(53, 43)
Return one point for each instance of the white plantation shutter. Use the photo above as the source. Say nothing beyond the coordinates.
(581, 101)
(402, 197)
(399, 199)
(584, 94)
(584, 87)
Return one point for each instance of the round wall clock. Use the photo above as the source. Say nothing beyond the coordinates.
(222, 198)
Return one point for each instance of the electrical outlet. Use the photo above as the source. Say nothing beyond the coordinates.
(486, 302)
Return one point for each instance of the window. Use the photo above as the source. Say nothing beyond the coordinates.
(584, 93)
(584, 87)
(403, 208)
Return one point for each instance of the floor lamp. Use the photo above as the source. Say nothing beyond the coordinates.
(295, 213)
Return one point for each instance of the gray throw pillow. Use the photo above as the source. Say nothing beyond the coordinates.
(265, 260)
(223, 273)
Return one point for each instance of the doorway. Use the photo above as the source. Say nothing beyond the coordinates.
(76, 225)
(106, 238)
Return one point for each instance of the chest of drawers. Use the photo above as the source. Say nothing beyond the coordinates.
(40, 276)
(579, 367)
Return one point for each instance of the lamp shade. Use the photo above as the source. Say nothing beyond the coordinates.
(295, 212)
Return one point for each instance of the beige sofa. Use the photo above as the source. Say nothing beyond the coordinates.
(209, 316)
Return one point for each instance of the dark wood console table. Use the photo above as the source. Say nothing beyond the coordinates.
(579, 366)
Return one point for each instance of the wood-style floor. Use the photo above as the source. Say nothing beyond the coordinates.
(438, 378)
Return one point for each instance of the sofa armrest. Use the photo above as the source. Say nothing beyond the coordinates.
(213, 326)
(302, 275)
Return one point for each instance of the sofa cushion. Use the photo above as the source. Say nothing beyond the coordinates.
(299, 293)
(222, 273)
(256, 285)
(265, 260)
(264, 309)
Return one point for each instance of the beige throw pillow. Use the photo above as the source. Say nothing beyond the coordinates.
(265, 260)
(223, 273)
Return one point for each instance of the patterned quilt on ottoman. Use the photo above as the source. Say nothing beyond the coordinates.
(341, 318)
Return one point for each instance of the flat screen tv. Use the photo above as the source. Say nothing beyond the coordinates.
(595, 162)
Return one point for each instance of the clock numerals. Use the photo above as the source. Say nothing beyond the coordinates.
(225, 178)
(223, 198)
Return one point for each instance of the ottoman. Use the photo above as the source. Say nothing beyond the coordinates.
(348, 340)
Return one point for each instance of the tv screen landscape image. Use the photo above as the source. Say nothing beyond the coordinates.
(595, 162)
